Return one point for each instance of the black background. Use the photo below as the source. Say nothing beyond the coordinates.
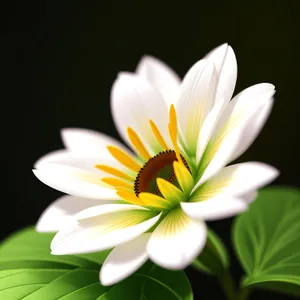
(59, 60)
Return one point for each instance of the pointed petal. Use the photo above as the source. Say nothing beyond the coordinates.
(214, 159)
(76, 160)
(124, 260)
(183, 177)
(225, 62)
(170, 192)
(236, 180)
(133, 102)
(215, 208)
(197, 95)
(161, 76)
(76, 182)
(88, 142)
(61, 210)
(250, 133)
(231, 125)
(152, 200)
(102, 227)
(177, 241)
(207, 129)
(249, 197)
(241, 113)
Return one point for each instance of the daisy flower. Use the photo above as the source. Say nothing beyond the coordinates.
(172, 177)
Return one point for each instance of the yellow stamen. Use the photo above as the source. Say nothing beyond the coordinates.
(158, 135)
(114, 172)
(116, 182)
(124, 158)
(137, 143)
(170, 191)
(129, 197)
(149, 199)
(173, 132)
(184, 177)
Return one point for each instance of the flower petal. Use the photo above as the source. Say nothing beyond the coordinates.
(197, 95)
(61, 210)
(215, 159)
(88, 142)
(183, 177)
(249, 197)
(241, 114)
(76, 182)
(251, 132)
(170, 192)
(231, 125)
(102, 227)
(215, 208)
(124, 260)
(237, 179)
(76, 160)
(161, 76)
(207, 129)
(133, 102)
(225, 62)
(177, 240)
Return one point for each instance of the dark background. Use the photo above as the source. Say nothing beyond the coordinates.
(58, 62)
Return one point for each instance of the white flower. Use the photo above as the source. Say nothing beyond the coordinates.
(181, 135)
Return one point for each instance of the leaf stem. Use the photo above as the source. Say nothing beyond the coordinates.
(227, 284)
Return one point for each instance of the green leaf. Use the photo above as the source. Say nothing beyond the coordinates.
(28, 247)
(28, 271)
(214, 259)
(154, 283)
(267, 241)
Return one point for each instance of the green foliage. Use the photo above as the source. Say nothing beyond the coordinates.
(214, 259)
(28, 271)
(267, 241)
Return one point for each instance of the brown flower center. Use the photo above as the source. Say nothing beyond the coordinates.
(159, 166)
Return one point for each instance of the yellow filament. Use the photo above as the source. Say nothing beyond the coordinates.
(116, 182)
(129, 197)
(173, 132)
(137, 143)
(158, 135)
(124, 158)
(114, 172)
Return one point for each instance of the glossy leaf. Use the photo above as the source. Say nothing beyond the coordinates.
(153, 283)
(214, 259)
(267, 241)
(28, 271)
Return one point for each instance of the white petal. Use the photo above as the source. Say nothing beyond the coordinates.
(237, 179)
(161, 76)
(133, 102)
(61, 210)
(219, 159)
(231, 125)
(249, 197)
(207, 129)
(197, 95)
(241, 114)
(88, 142)
(226, 65)
(177, 241)
(102, 227)
(124, 260)
(76, 182)
(251, 132)
(215, 208)
(76, 160)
